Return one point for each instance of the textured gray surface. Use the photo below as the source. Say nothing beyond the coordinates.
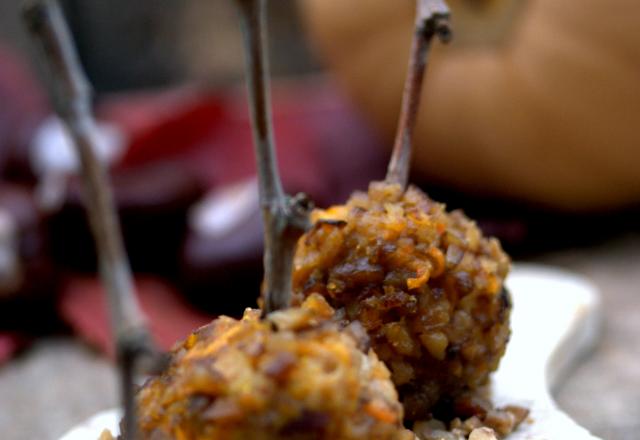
(60, 382)
(55, 385)
(604, 392)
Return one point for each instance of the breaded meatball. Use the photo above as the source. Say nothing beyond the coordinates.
(425, 283)
(294, 374)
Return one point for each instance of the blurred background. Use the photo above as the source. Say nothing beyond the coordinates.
(529, 123)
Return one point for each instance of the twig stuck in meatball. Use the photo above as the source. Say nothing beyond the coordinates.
(292, 374)
(426, 284)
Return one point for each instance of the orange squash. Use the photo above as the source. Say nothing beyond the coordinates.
(537, 100)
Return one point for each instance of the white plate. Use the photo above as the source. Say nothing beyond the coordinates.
(556, 320)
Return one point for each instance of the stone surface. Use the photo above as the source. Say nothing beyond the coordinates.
(604, 392)
(53, 386)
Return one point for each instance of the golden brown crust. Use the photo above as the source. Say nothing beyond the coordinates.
(426, 285)
(292, 375)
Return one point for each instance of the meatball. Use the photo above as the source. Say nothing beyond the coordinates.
(294, 374)
(425, 284)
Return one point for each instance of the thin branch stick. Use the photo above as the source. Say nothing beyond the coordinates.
(71, 97)
(285, 218)
(432, 18)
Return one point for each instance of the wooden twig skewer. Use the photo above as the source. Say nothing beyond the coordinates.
(71, 97)
(432, 18)
(285, 218)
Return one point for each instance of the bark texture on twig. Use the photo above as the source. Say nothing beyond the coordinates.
(285, 218)
(432, 18)
(71, 97)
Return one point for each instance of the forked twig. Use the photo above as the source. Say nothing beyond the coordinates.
(285, 218)
(432, 18)
(71, 96)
